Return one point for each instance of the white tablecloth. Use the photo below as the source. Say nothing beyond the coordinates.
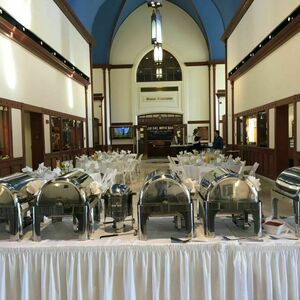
(197, 172)
(116, 269)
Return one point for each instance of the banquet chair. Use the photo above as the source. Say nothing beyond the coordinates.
(251, 169)
(138, 165)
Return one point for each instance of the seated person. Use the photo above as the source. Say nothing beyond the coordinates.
(218, 143)
(197, 143)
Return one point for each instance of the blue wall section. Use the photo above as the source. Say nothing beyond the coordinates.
(103, 18)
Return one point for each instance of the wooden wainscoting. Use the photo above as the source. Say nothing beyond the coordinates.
(122, 147)
(264, 156)
(10, 166)
(51, 158)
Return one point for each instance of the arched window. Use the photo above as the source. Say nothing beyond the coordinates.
(168, 70)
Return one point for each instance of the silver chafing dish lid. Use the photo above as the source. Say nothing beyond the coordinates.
(14, 184)
(289, 181)
(68, 188)
(223, 185)
(164, 186)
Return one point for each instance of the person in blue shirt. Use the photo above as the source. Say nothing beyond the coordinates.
(218, 141)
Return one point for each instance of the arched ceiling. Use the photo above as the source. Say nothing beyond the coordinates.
(103, 18)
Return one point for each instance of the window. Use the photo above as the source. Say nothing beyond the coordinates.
(55, 134)
(251, 130)
(240, 131)
(4, 132)
(168, 70)
(291, 126)
(69, 134)
(263, 129)
(79, 134)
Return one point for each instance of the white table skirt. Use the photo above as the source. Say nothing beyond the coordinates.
(115, 268)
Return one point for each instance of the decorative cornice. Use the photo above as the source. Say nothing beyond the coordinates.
(282, 33)
(66, 8)
(236, 19)
(26, 38)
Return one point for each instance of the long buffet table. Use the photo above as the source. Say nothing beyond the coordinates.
(125, 268)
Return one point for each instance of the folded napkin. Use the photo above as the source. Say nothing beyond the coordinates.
(27, 170)
(190, 184)
(33, 187)
(57, 171)
(95, 188)
(256, 182)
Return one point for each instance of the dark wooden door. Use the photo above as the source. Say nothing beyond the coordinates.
(281, 138)
(37, 139)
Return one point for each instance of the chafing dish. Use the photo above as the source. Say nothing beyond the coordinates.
(67, 195)
(14, 202)
(118, 205)
(223, 191)
(163, 194)
(287, 187)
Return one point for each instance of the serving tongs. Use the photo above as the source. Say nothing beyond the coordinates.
(275, 237)
(134, 232)
(245, 238)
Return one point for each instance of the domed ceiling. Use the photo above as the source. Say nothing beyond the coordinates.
(103, 18)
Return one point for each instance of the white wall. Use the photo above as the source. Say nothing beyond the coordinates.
(16, 122)
(28, 140)
(26, 78)
(274, 78)
(46, 20)
(260, 19)
(121, 100)
(47, 133)
(198, 93)
(98, 85)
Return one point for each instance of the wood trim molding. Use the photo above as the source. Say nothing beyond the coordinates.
(236, 19)
(198, 122)
(274, 104)
(66, 8)
(121, 124)
(266, 47)
(204, 63)
(220, 93)
(37, 109)
(109, 66)
(17, 35)
(98, 97)
(232, 112)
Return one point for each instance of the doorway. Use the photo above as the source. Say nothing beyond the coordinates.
(34, 139)
(281, 138)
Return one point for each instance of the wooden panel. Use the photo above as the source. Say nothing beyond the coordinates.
(51, 158)
(10, 166)
(264, 156)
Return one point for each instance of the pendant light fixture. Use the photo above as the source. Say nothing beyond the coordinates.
(158, 54)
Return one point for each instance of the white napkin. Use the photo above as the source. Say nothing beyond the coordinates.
(27, 170)
(219, 160)
(256, 182)
(57, 171)
(33, 187)
(190, 184)
(95, 188)
(238, 159)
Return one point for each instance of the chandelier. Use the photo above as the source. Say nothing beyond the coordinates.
(156, 30)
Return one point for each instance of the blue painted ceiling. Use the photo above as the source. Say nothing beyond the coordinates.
(103, 18)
